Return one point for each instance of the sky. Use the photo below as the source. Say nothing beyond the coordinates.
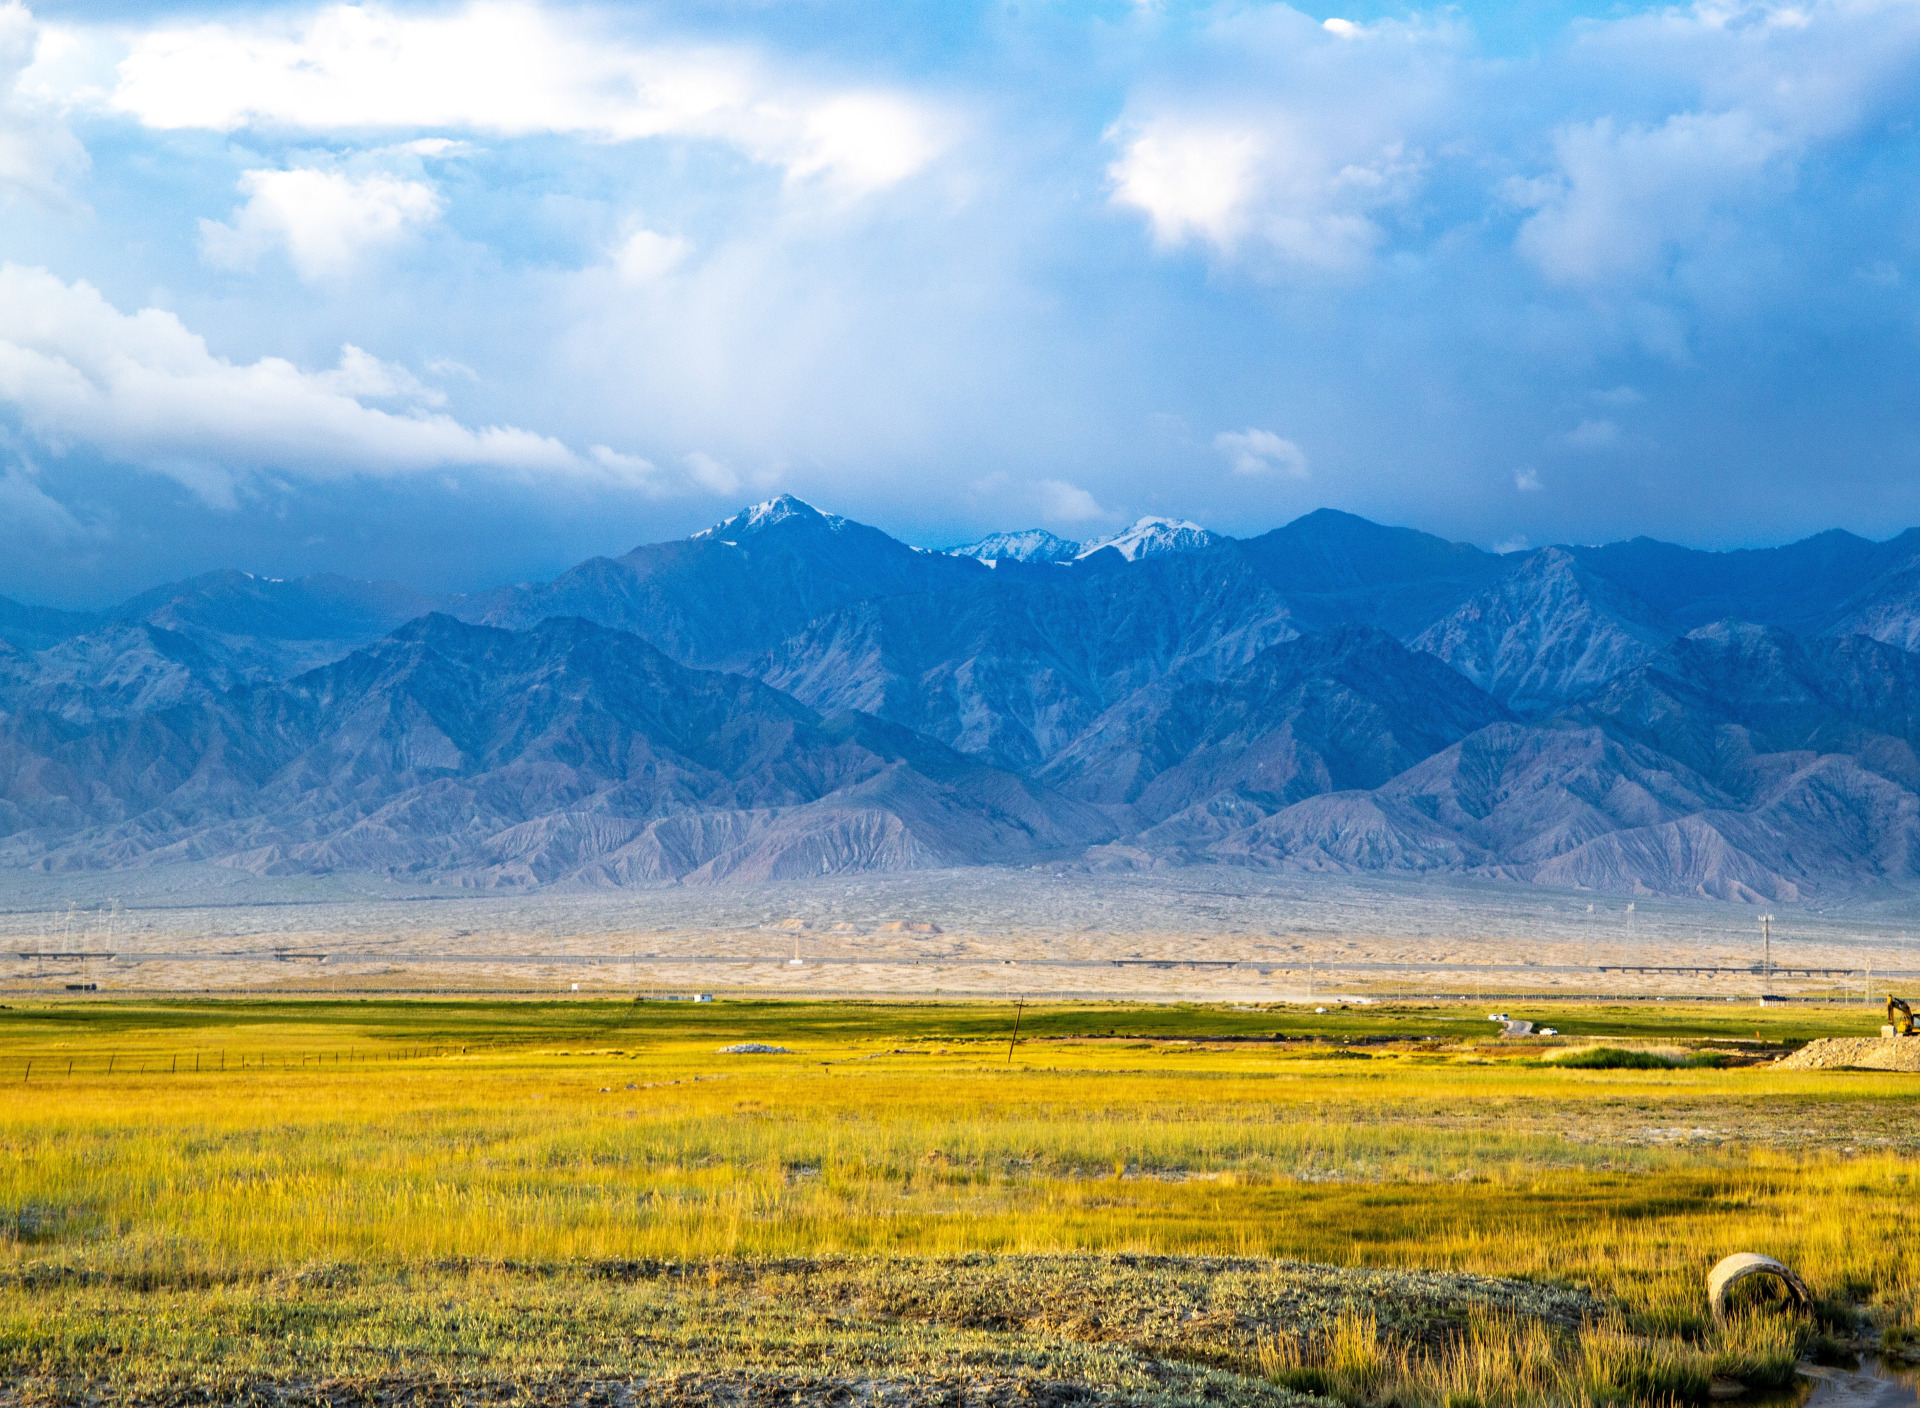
(464, 293)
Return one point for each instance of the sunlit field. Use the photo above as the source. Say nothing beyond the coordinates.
(494, 1200)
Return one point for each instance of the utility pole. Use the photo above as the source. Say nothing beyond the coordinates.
(1766, 945)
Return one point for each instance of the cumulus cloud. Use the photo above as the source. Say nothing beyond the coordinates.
(1289, 140)
(1807, 68)
(143, 389)
(1311, 147)
(1193, 179)
(646, 255)
(516, 69)
(1763, 86)
(1252, 451)
(631, 466)
(323, 220)
(1675, 197)
(1627, 199)
(361, 374)
(37, 153)
(1061, 502)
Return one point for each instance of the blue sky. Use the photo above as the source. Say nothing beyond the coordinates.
(464, 293)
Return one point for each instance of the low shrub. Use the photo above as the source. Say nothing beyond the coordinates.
(1613, 1058)
(1504, 1361)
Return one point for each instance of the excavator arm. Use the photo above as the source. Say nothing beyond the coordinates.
(1900, 1016)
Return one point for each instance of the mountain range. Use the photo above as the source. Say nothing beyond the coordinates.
(1148, 537)
(791, 693)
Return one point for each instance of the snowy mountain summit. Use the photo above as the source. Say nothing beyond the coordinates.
(763, 516)
(1027, 545)
(1150, 537)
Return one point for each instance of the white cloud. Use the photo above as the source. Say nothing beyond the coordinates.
(1193, 179)
(141, 388)
(37, 154)
(1626, 199)
(1760, 87)
(632, 466)
(1807, 68)
(324, 220)
(516, 69)
(1252, 451)
(1671, 135)
(362, 375)
(1050, 500)
(709, 473)
(1527, 480)
(28, 511)
(1061, 502)
(700, 474)
(1592, 435)
(1289, 143)
(644, 256)
(634, 471)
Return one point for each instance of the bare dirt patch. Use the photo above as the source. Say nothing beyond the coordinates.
(1865, 1053)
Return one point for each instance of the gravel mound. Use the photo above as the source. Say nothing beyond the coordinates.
(1857, 1053)
(754, 1048)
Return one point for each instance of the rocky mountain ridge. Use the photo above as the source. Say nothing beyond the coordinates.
(1145, 537)
(792, 692)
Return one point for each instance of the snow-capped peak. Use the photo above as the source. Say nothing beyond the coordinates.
(1027, 545)
(1151, 537)
(763, 516)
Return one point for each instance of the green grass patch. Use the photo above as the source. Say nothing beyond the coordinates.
(480, 1193)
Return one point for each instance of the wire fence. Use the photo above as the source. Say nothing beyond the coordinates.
(47, 1066)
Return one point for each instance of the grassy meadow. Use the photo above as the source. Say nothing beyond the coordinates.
(373, 1201)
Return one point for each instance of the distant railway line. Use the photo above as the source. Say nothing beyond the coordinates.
(1264, 967)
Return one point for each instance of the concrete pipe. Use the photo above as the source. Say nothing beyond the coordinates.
(1738, 1267)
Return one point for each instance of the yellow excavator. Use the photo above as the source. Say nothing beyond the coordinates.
(1900, 1017)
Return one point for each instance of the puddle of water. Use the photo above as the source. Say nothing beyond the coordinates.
(1876, 1384)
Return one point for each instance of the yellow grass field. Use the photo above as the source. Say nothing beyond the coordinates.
(492, 1201)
